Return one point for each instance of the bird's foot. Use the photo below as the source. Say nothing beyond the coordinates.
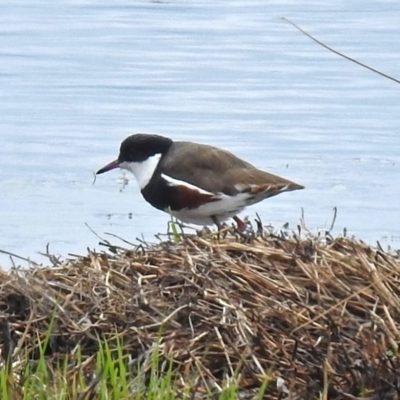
(244, 230)
(241, 225)
(221, 228)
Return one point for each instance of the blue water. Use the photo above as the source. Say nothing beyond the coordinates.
(78, 77)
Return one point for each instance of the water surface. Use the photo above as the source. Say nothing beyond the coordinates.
(77, 78)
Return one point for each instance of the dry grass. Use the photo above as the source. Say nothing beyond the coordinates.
(321, 315)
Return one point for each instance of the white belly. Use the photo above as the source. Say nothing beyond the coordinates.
(223, 209)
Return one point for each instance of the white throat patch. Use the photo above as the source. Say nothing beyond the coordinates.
(142, 170)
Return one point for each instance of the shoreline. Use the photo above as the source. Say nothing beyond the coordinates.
(312, 311)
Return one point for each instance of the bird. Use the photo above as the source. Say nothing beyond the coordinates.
(197, 183)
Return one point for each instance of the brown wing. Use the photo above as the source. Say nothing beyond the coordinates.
(216, 170)
(259, 183)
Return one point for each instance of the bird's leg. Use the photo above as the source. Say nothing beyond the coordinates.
(244, 230)
(240, 224)
(216, 222)
(221, 227)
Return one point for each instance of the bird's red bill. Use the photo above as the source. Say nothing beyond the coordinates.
(108, 167)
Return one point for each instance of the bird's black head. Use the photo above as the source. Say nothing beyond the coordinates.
(140, 147)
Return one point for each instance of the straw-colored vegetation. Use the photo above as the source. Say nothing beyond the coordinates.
(206, 317)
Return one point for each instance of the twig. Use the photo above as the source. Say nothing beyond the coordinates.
(341, 54)
(166, 319)
(94, 232)
(120, 238)
(19, 257)
(333, 220)
(94, 178)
